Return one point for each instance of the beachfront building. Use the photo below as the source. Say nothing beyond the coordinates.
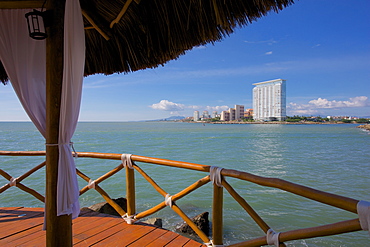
(214, 114)
(236, 113)
(196, 116)
(248, 113)
(225, 116)
(239, 112)
(205, 115)
(232, 114)
(269, 100)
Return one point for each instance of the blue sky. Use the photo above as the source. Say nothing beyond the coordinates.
(322, 49)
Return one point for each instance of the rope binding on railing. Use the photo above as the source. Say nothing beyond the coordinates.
(363, 211)
(215, 175)
(12, 182)
(130, 219)
(126, 161)
(210, 244)
(272, 237)
(91, 184)
(168, 200)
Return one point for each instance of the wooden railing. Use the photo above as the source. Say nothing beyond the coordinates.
(337, 201)
(17, 181)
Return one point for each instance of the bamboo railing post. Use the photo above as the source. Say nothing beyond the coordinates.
(130, 191)
(59, 228)
(217, 222)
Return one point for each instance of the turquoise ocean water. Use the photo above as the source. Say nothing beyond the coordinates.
(332, 158)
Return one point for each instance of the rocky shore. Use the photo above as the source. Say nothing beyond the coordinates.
(365, 127)
(200, 220)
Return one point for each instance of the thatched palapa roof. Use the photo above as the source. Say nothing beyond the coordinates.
(149, 33)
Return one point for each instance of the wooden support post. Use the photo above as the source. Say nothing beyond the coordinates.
(217, 222)
(130, 191)
(58, 228)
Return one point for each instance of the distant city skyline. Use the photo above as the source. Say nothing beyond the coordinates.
(322, 49)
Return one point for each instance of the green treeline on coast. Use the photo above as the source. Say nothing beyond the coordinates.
(293, 119)
(320, 119)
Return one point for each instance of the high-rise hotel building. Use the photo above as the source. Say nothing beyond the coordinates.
(196, 116)
(269, 100)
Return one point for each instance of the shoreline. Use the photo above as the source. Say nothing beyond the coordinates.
(274, 122)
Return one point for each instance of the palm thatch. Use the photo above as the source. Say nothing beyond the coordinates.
(153, 32)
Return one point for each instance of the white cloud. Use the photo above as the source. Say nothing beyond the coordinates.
(268, 53)
(166, 105)
(201, 47)
(217, 108)
(314, 106)
(300, 109)
(269, 42)
(359, 101)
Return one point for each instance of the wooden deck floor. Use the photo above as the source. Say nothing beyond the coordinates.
(23, 227)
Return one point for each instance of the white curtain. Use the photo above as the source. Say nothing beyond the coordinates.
(74, 61)
(24, 60)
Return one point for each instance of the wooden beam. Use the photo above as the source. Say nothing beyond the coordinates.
(96, 26)
(123, 11)
(21, 4)
(58, 228)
